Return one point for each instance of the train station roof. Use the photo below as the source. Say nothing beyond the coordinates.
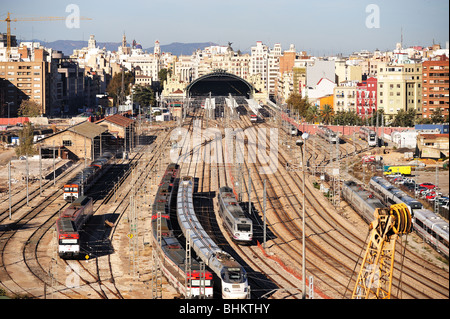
(220, 82)
(88, 129)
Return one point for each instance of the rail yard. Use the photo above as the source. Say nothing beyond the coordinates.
(261, 163)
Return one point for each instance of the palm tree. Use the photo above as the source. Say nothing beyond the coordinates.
(312, 114)
(327, 114)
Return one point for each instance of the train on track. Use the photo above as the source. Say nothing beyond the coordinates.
(70, 224)
(232, 275)
(327, 134)
(392, 194)
(368, 135)
(254, 118)
(191, 283)
(238, 225)
(425, 222)
(84, 180)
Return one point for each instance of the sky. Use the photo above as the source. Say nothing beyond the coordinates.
(320, 27)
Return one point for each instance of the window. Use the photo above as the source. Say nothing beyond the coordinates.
(67, 143)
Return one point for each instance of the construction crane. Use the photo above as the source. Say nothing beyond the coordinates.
(375, 277)
(9, 20)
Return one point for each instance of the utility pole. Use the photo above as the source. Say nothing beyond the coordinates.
(264, 213)
(40, 170)
(188, 265)
(9, 187)
(249, 191)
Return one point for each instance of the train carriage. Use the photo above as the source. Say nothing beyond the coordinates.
(368, 135)
(191, 283)
(238, 225)
(433, 229)
(69, 225)
(82, 182)
(232, 275)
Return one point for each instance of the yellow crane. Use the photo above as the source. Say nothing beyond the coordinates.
(375, 277)
(9, 20)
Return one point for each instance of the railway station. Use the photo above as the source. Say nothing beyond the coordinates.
(306, 231)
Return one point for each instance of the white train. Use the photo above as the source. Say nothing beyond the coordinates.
(426, 223)
(367, 134)
(238, 225)
(232, 275)
(327, 134)
(432, 228)
(392, 194)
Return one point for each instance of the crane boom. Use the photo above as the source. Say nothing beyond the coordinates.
(375, 276)
(9, 20)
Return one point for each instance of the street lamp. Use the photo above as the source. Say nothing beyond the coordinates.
(302, 143)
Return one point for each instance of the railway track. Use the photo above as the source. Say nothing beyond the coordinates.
(331, 226)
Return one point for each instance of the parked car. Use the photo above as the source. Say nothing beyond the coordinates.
(428, 185)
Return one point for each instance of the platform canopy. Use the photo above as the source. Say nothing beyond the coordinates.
(220, 83)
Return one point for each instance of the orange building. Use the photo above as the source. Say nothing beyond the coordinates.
(435, 91)
(329, 99)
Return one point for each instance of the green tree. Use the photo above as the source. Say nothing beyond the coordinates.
(436, 116)
(298, 103)
(312, 114)
(327, 114)
(144, 95)
(163, 74)
(26, 140)
(404, 118)
(29, 108)
(115, 85)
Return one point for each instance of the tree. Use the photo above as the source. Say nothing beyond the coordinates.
(26, 140)
(327, 114)
(404, 118)
(29, 108)
(163, 74)
(298, 103)
(437, 116)
(144, 95)
(312, 114)
(115, 85)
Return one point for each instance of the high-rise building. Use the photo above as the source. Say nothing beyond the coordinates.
(259, 61)
(27, 77)
(435, 91)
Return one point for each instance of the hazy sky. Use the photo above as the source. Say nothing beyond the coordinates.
(319, 27)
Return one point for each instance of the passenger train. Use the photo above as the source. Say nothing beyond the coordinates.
(426, 223)
(231, 274)
(81, 183)
(238, 225)
(392, 194)
(193, 282)
(327, 134)
(69, 225)
(253, 117)
(368, 135)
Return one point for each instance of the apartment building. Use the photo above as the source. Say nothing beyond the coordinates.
(435, 91)
(399, 88)
(344, 97)
(27, 76)
(259, 61)
(273, 67)
(366, 97)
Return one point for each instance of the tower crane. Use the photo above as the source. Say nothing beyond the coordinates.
(375, 277)
(9, 20)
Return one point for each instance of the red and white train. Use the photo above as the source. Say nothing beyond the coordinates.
(69, 225)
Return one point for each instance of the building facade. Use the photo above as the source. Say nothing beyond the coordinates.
(435, 92)
(399, 88)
